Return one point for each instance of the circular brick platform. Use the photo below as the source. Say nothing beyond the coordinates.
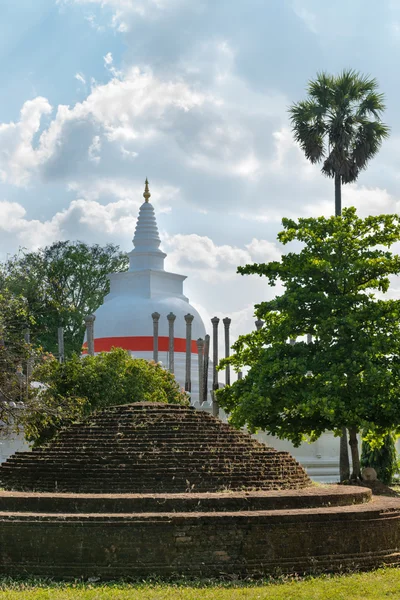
(208, 501)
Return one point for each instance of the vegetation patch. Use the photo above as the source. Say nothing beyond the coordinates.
(377, 585)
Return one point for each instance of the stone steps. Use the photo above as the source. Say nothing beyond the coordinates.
(150, 448)
(157, 466)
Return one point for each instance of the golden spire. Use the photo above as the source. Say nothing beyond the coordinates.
(146, 194)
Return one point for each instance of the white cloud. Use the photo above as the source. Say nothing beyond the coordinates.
(199, 256)
(80, 78)
(263, 250)
(18, 156)
(307, 16)
(123, 11)
(94, 149)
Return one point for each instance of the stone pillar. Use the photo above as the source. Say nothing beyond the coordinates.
(215, 322)
(215, 407)
(188, 367)
(156, 317)
(61, 351)
(227, 324)
(309, 338)
(200, 350)
(89, 322)
(171, 349)
(29, 366)
(240, 375)
(206, 363)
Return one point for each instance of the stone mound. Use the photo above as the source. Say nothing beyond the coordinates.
(152, 448)
(155, 489)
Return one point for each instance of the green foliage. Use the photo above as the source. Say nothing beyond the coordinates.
(61, 284)
(14, 350)
(382, 458)
(85, 384)
(339, 124)
(349, 376)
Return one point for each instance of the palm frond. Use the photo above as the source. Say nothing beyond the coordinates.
(308, 129)
(339, 123)
(321, 89)
(372, 103)
(368, 141)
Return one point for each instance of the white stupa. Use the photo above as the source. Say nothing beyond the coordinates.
(125, 319)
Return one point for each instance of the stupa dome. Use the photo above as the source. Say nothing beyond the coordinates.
(125, 319)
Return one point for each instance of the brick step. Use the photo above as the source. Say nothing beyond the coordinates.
(169, 503)
(122, 462)
(160, 467)
(165, 490)
(176, 480)
(163, 478)
(144, 466)
(73, 474)
(200, 453)
(156, 483)
(132, 447)
(191, 442)
(151, 459)
(154, 442)
(164, 433)
(57, 504)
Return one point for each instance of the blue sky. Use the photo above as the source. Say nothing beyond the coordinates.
(99, 94)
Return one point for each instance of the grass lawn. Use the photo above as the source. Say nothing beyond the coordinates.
(376, 585)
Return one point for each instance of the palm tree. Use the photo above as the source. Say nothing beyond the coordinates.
(339, 126)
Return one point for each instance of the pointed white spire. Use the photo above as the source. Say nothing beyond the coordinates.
(146, 253)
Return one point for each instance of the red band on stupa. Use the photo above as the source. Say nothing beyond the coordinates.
(139, 344)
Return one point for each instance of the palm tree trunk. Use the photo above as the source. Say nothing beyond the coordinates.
(355, 456)
(338, 195)
(344, 463)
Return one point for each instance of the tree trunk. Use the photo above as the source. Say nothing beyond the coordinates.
(344, 463)
(344, 466)
(356, 472)
(338, 195)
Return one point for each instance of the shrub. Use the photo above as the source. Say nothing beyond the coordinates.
(86, 384)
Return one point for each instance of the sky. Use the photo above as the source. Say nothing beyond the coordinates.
(97, 95)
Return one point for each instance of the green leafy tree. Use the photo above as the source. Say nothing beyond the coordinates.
(82, 385)
(339, 125)
(15, 353)
(61, 284)
(381, 458)
(349, 375)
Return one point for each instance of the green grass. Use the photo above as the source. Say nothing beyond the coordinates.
(376, 585)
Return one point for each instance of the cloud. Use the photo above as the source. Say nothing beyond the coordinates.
(201, 257)
(18, 155)
(123, 11)
(80, 78)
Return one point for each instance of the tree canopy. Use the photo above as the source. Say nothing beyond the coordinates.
(82, 385)
(14, 352)
(339, 124)
(349, 375)
(61, 284)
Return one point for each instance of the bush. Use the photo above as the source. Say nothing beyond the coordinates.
(85, 384)
(383, 459)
